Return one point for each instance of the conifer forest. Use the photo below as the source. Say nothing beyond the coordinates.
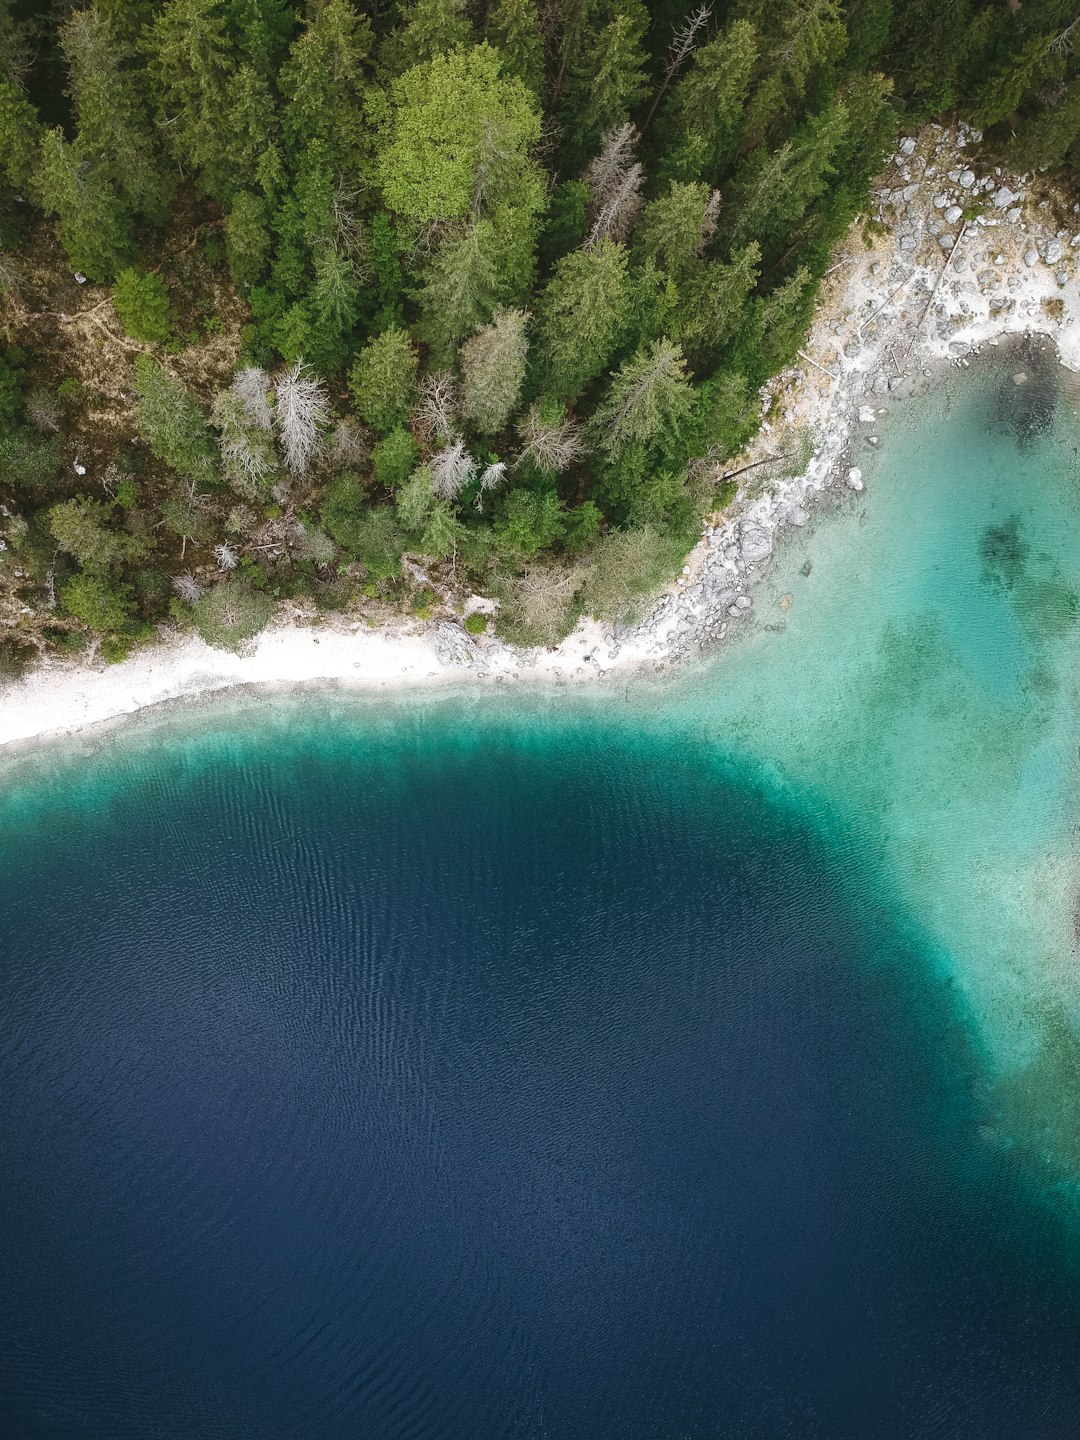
(362, 305)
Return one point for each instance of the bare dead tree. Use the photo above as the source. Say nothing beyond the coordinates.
(350, 233)
(241, 520)
(436, 410)
(615, 178)
(451, 470)
(247, 447)
(252, 387)
(226, 557)
(683, 44)
(187, 587)
(494, 155)
(605, 171)
(1063, 43)
(552, 447)
(491, 478)
(43, 410)
(11, 275)
(302, 412)
(709, 219)
(348, 447)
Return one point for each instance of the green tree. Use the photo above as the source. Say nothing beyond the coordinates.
(582, 310)
(529, 521)
(394, 458)
(493, 369)
(785, 318)
(247, 238)
(191, 62)
(1001, 92)
(431, 28)
(383, 380)
(606, 75)
(142, 304)
(649, 400)
(712, 302)
(82, 528)
(323, 82)
(514, 30)
(699, 124)
(488, 264)
(111, 111)
(92, 221)
(1045, 138)
(104, 605)
(232, 613)
(675, 228)
(443, 112)
(20, 132)
(773, 190)
(172, 424)
(801, 43)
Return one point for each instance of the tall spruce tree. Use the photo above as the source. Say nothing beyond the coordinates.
(111, 112)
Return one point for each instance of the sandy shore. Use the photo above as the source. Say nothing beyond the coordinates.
(961, 257)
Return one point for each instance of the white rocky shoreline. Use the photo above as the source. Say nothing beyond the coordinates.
(957, 259)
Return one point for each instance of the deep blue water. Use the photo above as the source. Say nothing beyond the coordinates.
(476, 1079)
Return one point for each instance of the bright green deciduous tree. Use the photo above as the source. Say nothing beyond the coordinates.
(443, 113)
(103, 604)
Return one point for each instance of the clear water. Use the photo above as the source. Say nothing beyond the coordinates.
(693, 1058)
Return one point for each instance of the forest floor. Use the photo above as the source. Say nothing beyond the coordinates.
(953, 256)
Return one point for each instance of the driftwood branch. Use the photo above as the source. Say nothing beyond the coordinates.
(937, 286)
(754, 465)
(886, 302)
(803, 355)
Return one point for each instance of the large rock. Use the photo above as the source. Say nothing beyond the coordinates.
(1004, 198)
(756, 542)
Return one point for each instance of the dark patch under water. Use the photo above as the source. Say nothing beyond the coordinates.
(1004, 553)
(1027, 405)
(541, 1089)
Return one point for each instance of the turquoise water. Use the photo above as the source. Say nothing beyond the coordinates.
(694, 1056)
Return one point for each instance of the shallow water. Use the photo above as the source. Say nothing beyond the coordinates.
(692, 1058)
